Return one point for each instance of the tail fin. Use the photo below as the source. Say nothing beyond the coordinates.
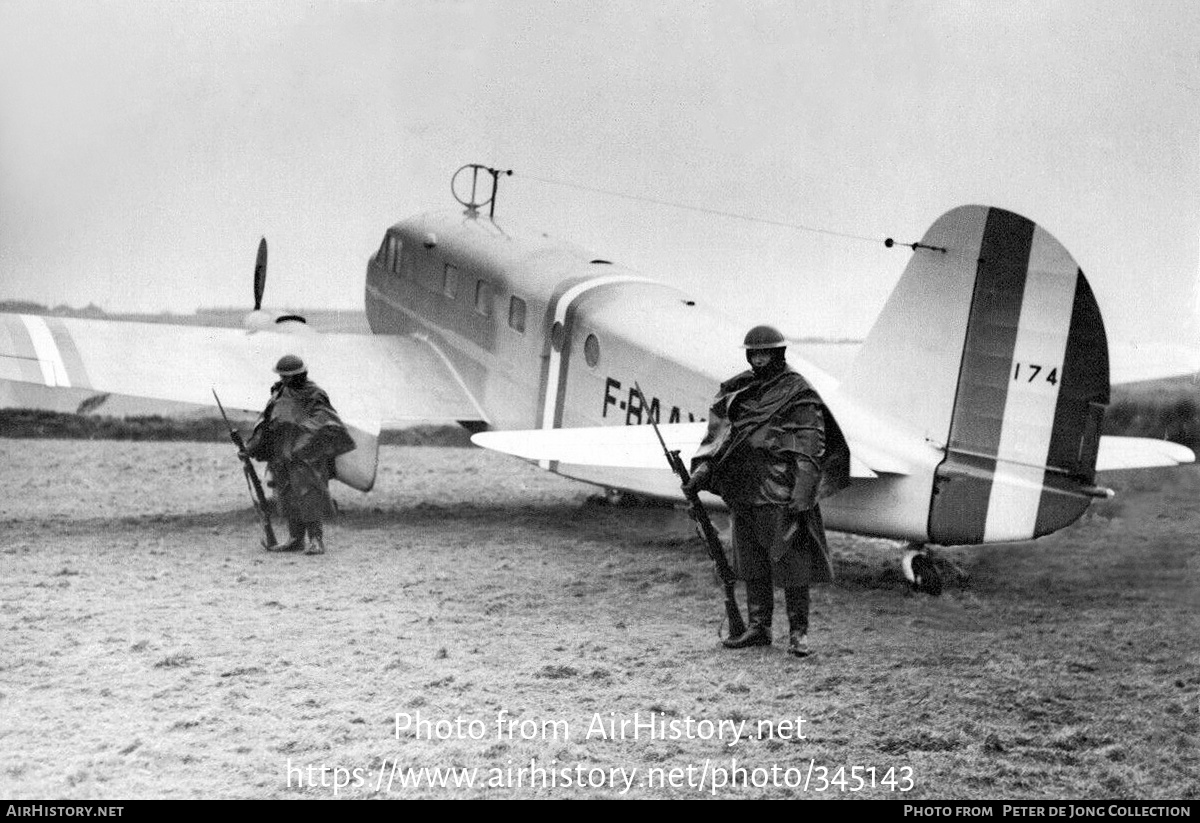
(994, 349)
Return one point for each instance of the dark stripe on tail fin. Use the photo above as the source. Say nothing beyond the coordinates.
(963, 481)
(1082, 398)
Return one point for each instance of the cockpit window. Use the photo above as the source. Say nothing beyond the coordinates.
(395, 254)
(450, 281)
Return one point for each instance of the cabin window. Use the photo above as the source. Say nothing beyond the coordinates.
(483, 298)
(516, 314)
(591, 350)
(450, 281)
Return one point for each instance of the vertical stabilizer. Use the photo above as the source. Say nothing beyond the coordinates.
(995, 350)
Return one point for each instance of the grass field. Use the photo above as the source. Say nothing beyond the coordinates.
(152, 650)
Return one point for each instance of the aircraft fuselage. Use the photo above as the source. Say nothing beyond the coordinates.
(545, 335)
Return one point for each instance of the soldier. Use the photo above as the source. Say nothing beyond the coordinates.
(299, 434)
(771, 452)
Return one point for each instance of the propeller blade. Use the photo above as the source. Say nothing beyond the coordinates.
(260, 273)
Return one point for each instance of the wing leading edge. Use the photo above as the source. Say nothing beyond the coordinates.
(632, 447)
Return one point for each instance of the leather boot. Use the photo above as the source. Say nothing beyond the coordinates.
(316, 539)
(797, 611)
(295, 539)
(760, 603)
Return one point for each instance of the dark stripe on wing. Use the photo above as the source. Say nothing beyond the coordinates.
(69, 353)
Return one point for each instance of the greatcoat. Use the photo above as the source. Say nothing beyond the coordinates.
(773, 451)
(299, 435)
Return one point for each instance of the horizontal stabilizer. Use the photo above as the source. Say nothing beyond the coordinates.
(631, 447)
(1140, 453)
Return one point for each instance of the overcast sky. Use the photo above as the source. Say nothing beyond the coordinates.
(145, 146)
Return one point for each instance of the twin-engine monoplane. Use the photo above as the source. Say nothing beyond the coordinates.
(973, 409)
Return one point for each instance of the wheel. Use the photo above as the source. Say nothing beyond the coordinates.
(926, 577)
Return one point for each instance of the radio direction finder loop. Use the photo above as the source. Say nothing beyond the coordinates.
(470, 192)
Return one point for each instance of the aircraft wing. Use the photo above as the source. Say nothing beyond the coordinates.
(370, 379)
(637, 447)
(1140, 453)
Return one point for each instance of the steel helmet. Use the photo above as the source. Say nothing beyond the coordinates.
(290, 365)
(764, 337)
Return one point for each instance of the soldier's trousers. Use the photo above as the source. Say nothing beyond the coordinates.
(763, 560)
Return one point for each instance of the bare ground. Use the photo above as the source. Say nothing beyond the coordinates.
(150, 649)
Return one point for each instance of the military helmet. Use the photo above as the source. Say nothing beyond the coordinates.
(764, 337)
(290, 365)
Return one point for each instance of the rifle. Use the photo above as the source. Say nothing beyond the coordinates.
(257, 495)
(704, 526)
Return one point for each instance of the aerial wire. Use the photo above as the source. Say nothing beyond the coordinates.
(887, 242)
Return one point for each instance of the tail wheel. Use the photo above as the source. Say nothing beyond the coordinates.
(921, 571)
(926, 577)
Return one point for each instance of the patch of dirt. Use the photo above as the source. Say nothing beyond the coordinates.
(475, 613)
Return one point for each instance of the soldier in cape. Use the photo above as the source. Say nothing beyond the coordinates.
(772, 452)
(299, 435)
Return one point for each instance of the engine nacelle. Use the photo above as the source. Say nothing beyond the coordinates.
(263, 320)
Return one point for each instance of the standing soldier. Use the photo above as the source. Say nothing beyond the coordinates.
(771, 452)
(299, 434)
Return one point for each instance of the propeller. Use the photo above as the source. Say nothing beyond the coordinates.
(260, 273)
(259, 320)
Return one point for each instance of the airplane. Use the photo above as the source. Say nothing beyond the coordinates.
(972, 410)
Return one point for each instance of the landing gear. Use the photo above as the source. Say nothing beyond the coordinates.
(920, 570)
(621, 499)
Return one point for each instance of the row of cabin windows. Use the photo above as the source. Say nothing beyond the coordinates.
(393, 259)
